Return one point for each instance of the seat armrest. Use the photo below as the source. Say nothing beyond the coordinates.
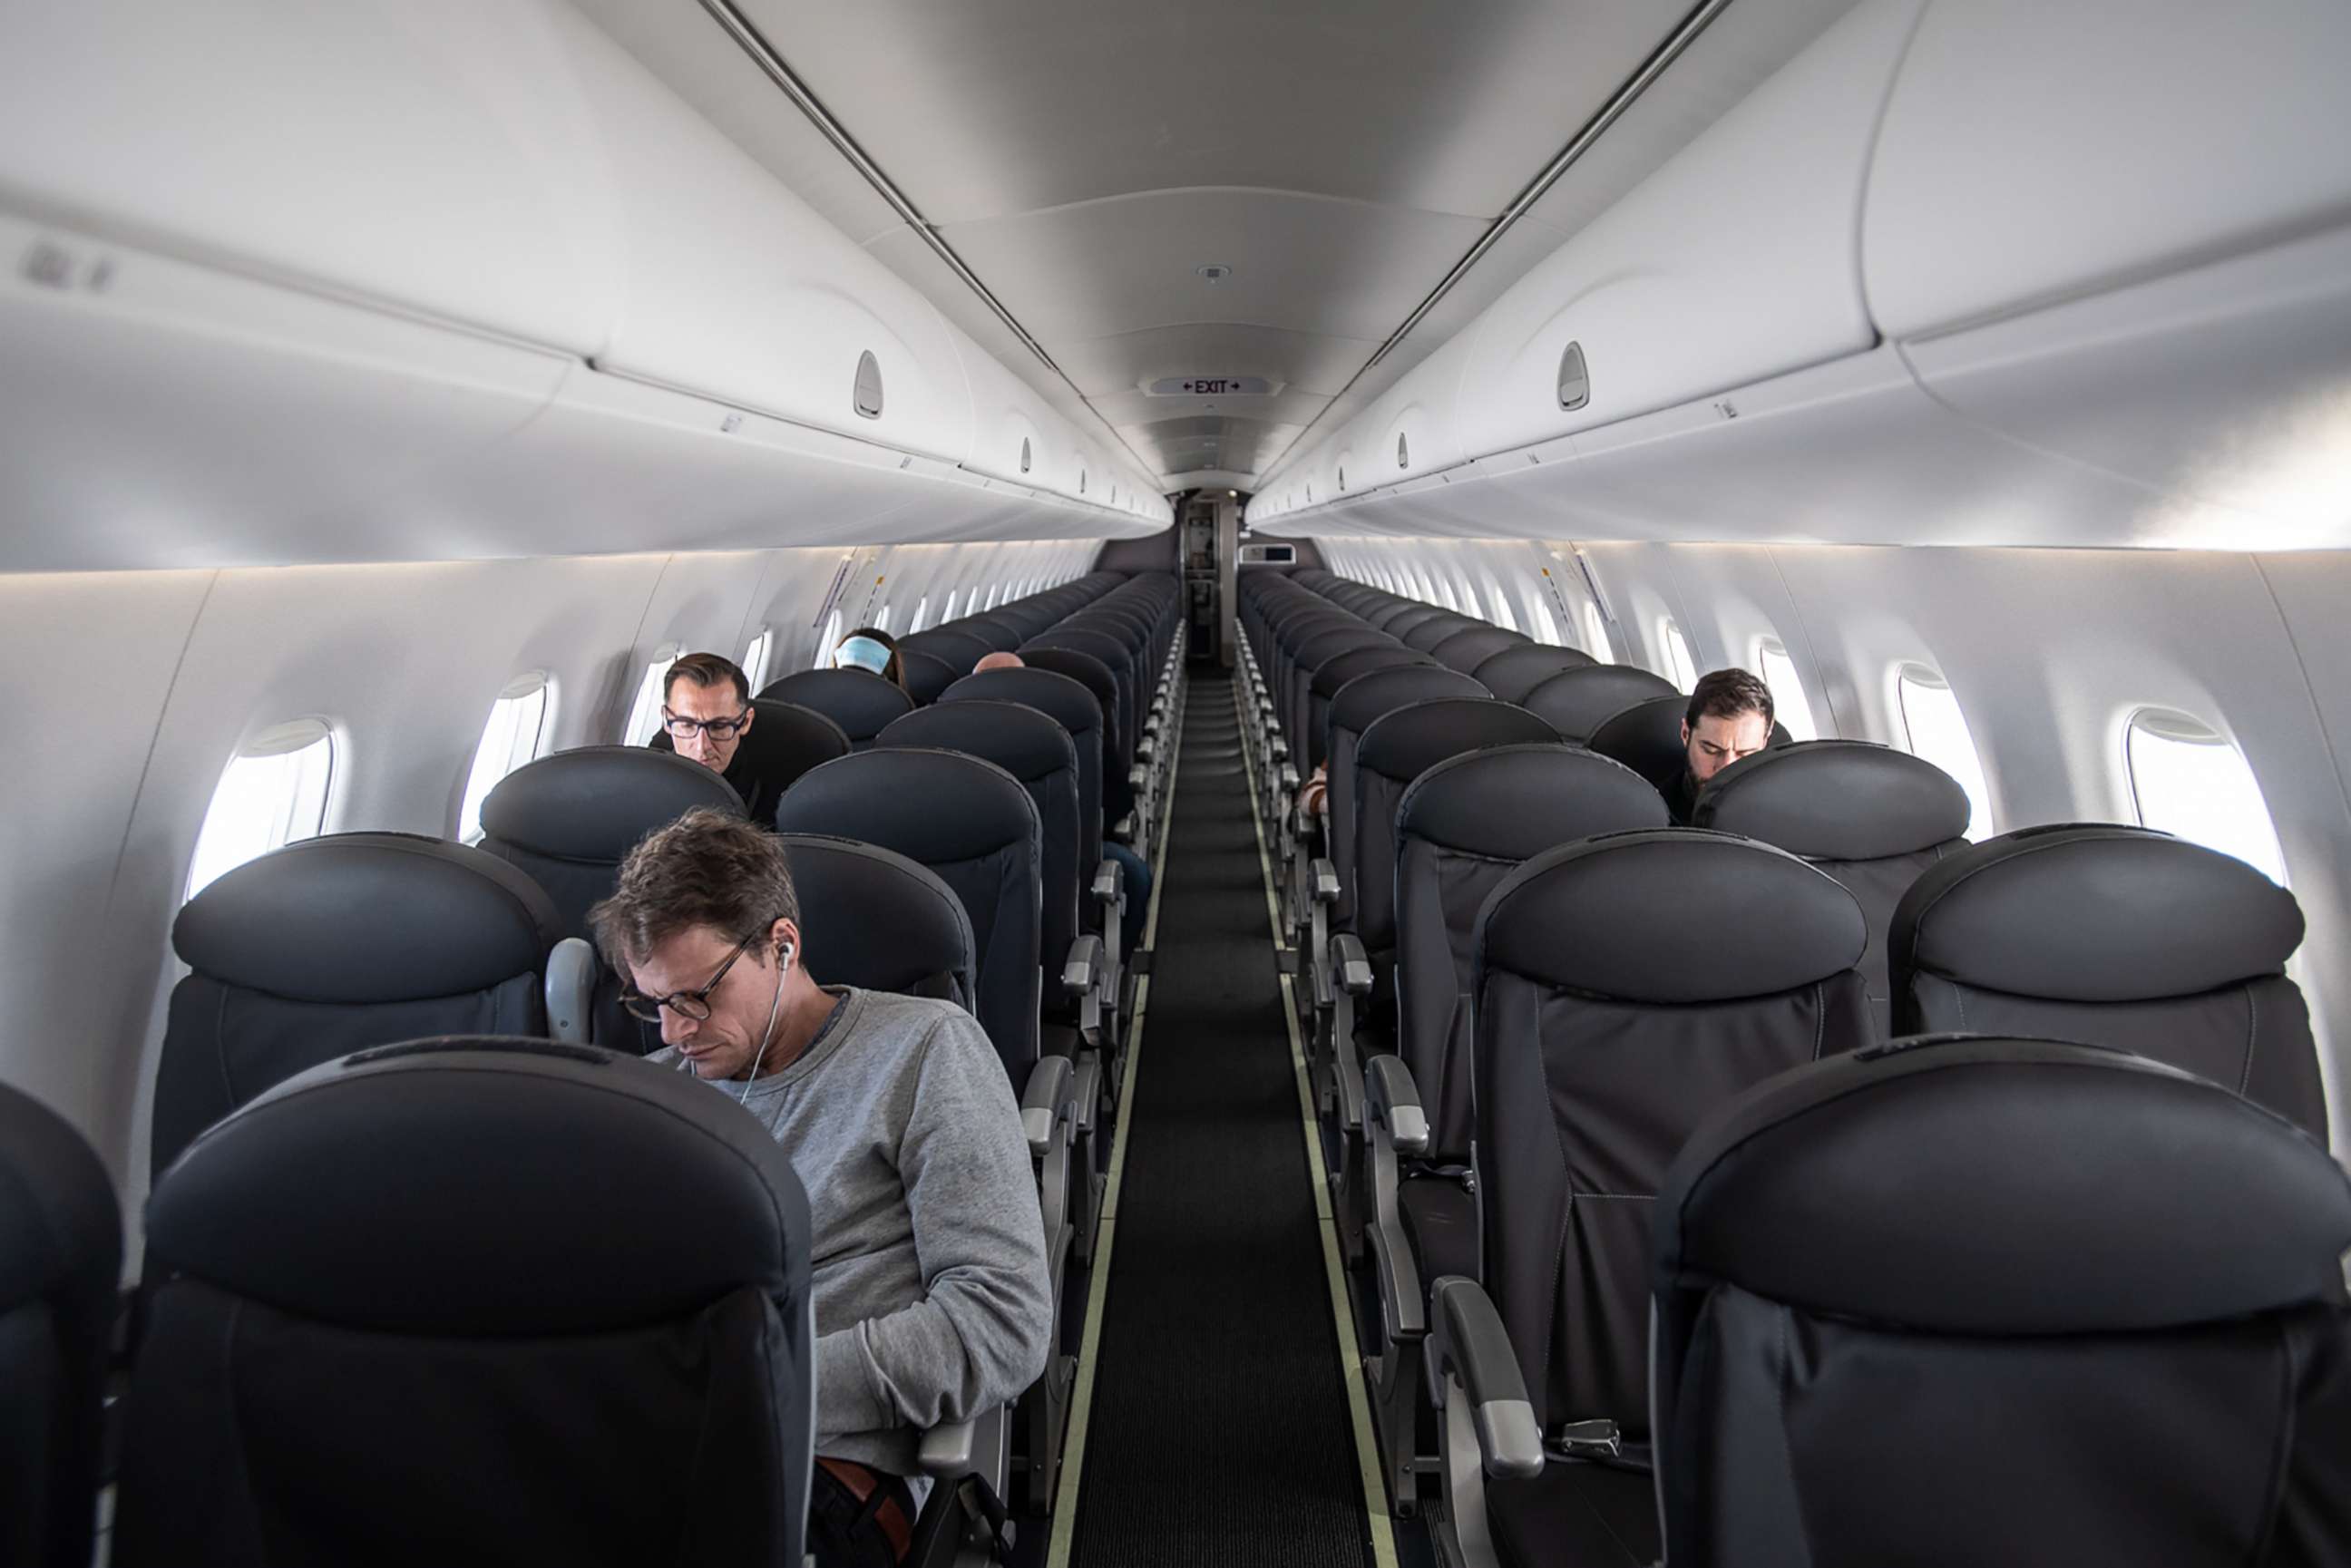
(1106, 881)
(1326, 881)
(1393, 1099)
(948, 1449)
(1042, 1101)
(1288, 775)
(1083, 965)
(1137, 777)
(1467, 1344)
(571, 991)
(1351, 965)
(1280, 749)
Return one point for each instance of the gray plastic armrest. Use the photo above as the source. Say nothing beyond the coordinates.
(1395, 1099)
(947, 1450)
(1041, 1102)
(1280, 749)
(1468, 1344)
(1106, 879)
(1083, 965)
(571, 991)
(1326, 881)
(1352, 964)
(1137, 777)
(1288, 774)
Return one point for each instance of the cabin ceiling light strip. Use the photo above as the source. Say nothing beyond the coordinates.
(1621, 100)
(749, 38)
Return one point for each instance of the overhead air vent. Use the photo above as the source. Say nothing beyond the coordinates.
(1404, 452)
(1574, 381)
(868, 396)
(1024, 454)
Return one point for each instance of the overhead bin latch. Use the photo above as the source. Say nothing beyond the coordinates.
(1575, 379)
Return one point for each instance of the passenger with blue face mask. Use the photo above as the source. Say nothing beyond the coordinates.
(872, 650)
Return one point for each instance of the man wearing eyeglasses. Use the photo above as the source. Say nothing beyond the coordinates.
(933, 1300)
(705, 713)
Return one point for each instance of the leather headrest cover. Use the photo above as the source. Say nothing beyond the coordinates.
(1064, 700)
(1473, 645)
(592, 805)
(1335, 673)
(874, 919)
(369, 917)
(1083, 668)
(860, 701)
(473, 1188)
(959, 651)
(1647, 738)
(1836, 800)
(1331, 641)
(926, 673)
(1670, 916)
(1511, 802)
(63, 1234)
(1518, 669)
(1575, 702)
(1408, 741)
(1981, 1185)
(936, 807)
(785, 734)
(1023, 742)
(1113, 654)
(1366, 697)
(2093, 913)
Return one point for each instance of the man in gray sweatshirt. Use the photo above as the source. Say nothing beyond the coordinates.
(933, 1300)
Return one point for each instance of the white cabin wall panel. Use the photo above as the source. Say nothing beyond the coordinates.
(2031, 150)
(87, 662)
(434, 153)
(1736, 596)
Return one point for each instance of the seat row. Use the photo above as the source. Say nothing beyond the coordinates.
(944, 858)
(1530, 993)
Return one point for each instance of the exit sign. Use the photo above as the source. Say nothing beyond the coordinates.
(1212, 386)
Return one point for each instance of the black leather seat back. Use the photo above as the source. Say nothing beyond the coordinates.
(1118, 793)
(1627, 985)
(1403, 616)
(1297, 690)
(874, 919)
(1471, 646)
(1397, 748)
(1000, 635)
(926, 674)
(1352, 710)
(2114, 935)
(2106, 1298)
(1873, 816)
(1426, 635)
(974, 826)
(60, 1264)
(339, 942)
(1080, 714)
(1517, 670)
(784, 741)
(1575, 701)
(949, 644)
(1333, 673)
(1647, 738)
(1038, 753)
(569, 819)
(860, 701)
(1126, 726)
(480, 1301)
(1463, 825)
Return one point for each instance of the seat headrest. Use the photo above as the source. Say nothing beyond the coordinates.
(1518, 669)
(1355, 704)
(860, 701)
(1670, 916)
(875, 919)
(1406, 742)
(1330, 641)
(1575, 702)
(926, 673)
(1511, 802)
(1986, 1186)
(1446, 623)
(477, 1186)
(1060, 698)
(959, 651)
(1334, 673)
(2093, 913)
(1836, 800)
(1473, 645)
(785, 740)
(1647, 738)
(369, 917)
(935, 807)
(1113, 651)
(592, 805)
(1025, 743)
(1082, 667)
(58, 1214)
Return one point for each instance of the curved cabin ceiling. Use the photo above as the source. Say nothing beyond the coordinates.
(1085, 161)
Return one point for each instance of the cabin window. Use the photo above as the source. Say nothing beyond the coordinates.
(273, 793)
(882, 619)
(1675, 648)
(827, 641)
(755, 660)
(948, 615)
(1934, 728)
(512, 737)
(644, 714)
(921, 611)
(2188, 779)
(1500, 600)
(1445, 592)
(1542, 625)
(1788, 699)
(1595, 633)
(993, 590)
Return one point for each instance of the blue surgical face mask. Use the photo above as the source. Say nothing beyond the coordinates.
(862, 654)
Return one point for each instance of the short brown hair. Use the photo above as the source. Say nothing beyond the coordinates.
(1727, 694)
(708, 670)
(707, 868)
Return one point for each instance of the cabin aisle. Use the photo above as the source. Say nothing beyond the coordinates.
(1220, 1430)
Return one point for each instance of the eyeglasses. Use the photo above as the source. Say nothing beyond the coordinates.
(683, 728)
(694, 1005)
